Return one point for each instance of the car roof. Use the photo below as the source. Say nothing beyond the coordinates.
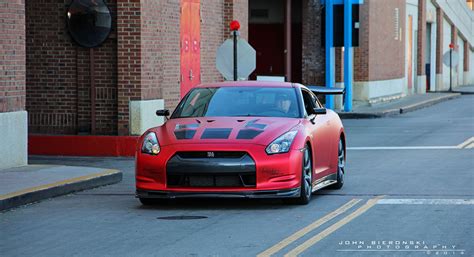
(248, 83)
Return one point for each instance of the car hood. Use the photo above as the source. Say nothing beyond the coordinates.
(226, 130)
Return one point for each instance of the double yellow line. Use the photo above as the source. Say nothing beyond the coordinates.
(468, 144)
(313, 240)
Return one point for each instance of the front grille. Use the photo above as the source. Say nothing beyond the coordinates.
(211, 180)
(211, 169)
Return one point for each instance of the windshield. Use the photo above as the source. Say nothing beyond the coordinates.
(239, 101)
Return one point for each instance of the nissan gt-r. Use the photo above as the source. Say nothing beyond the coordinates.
(243, 139)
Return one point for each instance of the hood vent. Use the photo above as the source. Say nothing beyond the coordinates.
(216, 133)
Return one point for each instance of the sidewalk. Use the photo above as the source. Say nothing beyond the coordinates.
(28, 184)
(465, 90)
(402, 105)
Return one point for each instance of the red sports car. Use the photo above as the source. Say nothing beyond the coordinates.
(243, 139)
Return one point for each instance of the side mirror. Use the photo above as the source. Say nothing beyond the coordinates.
(165, 113)
(318, 111)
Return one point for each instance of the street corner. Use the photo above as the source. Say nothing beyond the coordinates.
(33, 183)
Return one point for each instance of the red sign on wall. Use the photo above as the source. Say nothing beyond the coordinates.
(190, 45)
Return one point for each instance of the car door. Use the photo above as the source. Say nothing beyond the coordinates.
(317, 128)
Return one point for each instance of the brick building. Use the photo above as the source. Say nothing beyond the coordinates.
(158, 49)
(13, 120)
(400, 52)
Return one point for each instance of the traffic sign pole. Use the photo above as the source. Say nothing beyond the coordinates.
(235, 54)
(450, 70)
(451, 47)
(348, 61)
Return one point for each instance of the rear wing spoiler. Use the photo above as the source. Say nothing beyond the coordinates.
(319, 90)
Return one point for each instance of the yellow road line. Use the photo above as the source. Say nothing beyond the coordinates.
(310, 242)
(469, 146)
(466, 143)
(59, 183)
(287, 241)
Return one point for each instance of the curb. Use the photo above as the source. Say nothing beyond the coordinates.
(464, 92)
(397, 111)
(428, 103)
(35, 194)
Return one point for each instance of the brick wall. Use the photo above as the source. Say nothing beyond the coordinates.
(313, 57)
(439, 40)
(339, 64)
(454, 40)
(58, 75)
(387, 51)
(362, 53)
(139, 61)
(12, 56)
(213, 35)
(236, 10)
(168, 36)
(421, 42)
(128, 60)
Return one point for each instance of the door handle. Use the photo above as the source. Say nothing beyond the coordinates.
(191, 74)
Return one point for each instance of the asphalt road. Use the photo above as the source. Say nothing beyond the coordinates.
(409, 192)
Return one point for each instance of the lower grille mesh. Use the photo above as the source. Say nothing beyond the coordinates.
(211, 169)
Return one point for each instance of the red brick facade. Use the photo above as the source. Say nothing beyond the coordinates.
(139, 61)
(313, 57)
(439, 40)
(12, 56)
(380, 55)
(421, 43)
(58, 91)
(385, 50)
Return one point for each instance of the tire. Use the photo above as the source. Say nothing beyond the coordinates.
(341, 163)
(148, 201)
(306, 180)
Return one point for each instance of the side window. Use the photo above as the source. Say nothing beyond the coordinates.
(308, 100)
(316, 102)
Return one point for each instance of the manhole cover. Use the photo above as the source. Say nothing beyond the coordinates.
(182, 217)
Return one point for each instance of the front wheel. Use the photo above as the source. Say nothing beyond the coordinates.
(306, 179)
(341, 162)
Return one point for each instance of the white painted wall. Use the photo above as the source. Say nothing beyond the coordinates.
(143, 115)
(378, 90)
(411, 9)
(13, 139)
(470, 73)
(446, 42)
(461, 16)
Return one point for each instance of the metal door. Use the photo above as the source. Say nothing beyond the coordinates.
(190, 45)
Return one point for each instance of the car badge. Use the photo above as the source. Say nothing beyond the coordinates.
(210, 154)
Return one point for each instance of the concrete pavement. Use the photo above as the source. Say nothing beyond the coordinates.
(420, 190)
(465, 90)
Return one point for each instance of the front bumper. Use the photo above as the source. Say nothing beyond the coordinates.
(290, 193)
(277, 175)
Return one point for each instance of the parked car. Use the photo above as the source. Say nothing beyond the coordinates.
(243, 139)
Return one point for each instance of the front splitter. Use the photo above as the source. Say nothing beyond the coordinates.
(288, 193)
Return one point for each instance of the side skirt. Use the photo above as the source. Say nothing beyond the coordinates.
(324, 182)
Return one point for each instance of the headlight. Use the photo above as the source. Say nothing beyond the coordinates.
(282, 144)
(150, 144)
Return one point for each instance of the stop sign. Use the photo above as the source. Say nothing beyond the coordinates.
(246, 59)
